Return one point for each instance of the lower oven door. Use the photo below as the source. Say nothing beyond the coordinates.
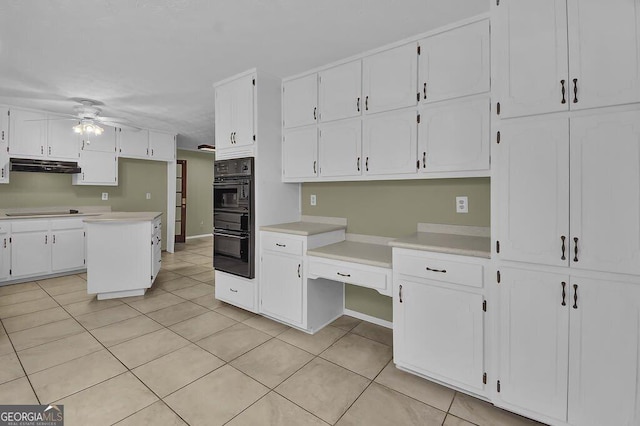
(232, 253)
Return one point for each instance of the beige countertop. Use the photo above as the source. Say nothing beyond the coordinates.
(303, 228)
(465, 245)
(124, 217)
(53, 211)
(358, 252)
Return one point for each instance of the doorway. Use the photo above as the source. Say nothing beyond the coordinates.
(181, 198)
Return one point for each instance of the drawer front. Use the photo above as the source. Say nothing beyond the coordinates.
(468, 274)
(74, 223)
(238, 293)
(349, 274)
(30, 225)
(281, 244)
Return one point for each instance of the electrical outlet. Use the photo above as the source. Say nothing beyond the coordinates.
(148, 195)
(313, 200)
(462, 204)
(105, 196)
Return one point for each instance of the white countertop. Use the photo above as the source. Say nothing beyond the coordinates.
(56, 211)
(303, 228)
(357, 252)
(465, 245)
(124, 217)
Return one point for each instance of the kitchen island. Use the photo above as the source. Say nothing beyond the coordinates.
(123, 253)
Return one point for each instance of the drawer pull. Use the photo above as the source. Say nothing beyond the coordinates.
(233, 291)
(444, 271)
(343, 275)
(281, 245)
(299, 265)
(400, 293)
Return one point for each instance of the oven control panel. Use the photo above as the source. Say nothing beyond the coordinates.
(234, 167)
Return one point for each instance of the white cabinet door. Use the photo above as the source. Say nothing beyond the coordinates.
(106, 142)
(281, 287)
(243, 111)
(604, 52)
(532, 183)
(454, 136)
(455, 63)
(67, 249)
(5, 254)
(300, 101)
(604, 360)
(534, 341)
(223, 116)
(340, 91)
(30, 253)
(605, 183)
(529, 39)
(162, 146)
(340, 148)
(28, 134)
(4, 145)
(390, 79)
(133, 143)
(62, 142)
(439, 331)
(98, 168)
(390, 143)
(300, 153)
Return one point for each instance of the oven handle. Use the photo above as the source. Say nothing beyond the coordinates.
(237, 237)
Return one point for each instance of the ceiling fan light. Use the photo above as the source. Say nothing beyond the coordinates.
(97, 130)
(206, 147)
(77, 129)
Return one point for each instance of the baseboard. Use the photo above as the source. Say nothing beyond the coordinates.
(368, 318)
(198, 236)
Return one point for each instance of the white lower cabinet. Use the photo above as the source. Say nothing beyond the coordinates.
(5, 251)
(67, 245)
(438, 329)
(569, 348)
(281, 286)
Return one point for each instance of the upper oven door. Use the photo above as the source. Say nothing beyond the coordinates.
(232, 194)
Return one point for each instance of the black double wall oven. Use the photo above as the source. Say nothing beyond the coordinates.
(233, 217)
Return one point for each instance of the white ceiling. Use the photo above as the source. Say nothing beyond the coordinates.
(153, 62)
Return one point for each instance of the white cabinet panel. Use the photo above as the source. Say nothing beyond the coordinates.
(454, 136)
(4, 145)
(243, 111)
(534, 341)
(340, 91)
(133, 143)
(281, 287)
(604, 52)
(98, 168)
(455, 63)
(300, 153)
(532, 184)
(605, 183)
(389, 79)
(604, 353)
(340, 148)
(67, 249)
(300, 101)
(106, 142)
(390, 143)
(30, 253)
(223, 116)
(5, 251)
(530, 68)
(28, 134)
(62, 142)
(162, 146)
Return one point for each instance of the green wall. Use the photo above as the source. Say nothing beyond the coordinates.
(199, 191)
(136, 178)
(393, 209)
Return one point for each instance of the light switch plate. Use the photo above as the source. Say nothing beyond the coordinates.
(462, 204)
(105, 196)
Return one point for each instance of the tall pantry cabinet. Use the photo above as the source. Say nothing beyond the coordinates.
(566, 209)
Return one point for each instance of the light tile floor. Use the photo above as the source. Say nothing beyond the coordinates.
(178, 356)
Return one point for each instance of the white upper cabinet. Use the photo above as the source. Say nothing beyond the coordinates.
(133, 143)
(98, 168)
(532, 184)
(223, 116)
(390, 143)
(300, 100)
(300, 153)
(62, 141)
(604, 52)
(234, 112)
(162, 146)
(28, 133)
(106, 142)
(340, 148)
(605, 183)
(340, 91)
(454, 136)
(455, 63)
(4, 145)
(389, 79)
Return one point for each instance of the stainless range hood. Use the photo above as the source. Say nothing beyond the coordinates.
(43, 166)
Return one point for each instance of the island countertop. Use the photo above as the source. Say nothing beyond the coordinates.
(124, 217)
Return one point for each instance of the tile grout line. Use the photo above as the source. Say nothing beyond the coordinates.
(21, 365)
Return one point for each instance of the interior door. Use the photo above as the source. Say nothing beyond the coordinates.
(300, 101)
(340, 148)
(181, 199)
(340, 91)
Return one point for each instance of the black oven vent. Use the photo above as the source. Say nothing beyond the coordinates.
(44, 166)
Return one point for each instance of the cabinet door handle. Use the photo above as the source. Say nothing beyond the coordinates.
(564, 101)
(400, 293)
(46, 239)
(366, 103)
(49, 150)
(231, 137)
(358, 163)
(424, 160)
(343, 275)
(575, 90)
(54, 238)
(357, 106)
(314, 166)
(562, 237)
(314, 113)
(299, 265)
(424, 91)
(233, 291)
(281, 245)
(564, 293)
(575, 296)
(366, 164)
(444, 271)
(5, 243)
(41, 149)
(575, 249)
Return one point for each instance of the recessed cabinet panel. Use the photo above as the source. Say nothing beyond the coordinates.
(300, 153)
(604, 52)
(133, 143)
(30, 253)
(98, 168)
(300, 100)
(532, 184)
(529, 39)
(28, 134)
(223, 116)
(67, 249)
(454, 136)
(243, 111)
(455, 63)
(390, 79)
(390, 143)
(62, 141)
(340, 91)
(605, 183)
(340, 148)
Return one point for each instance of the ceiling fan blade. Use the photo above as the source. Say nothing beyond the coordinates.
(55, 119)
